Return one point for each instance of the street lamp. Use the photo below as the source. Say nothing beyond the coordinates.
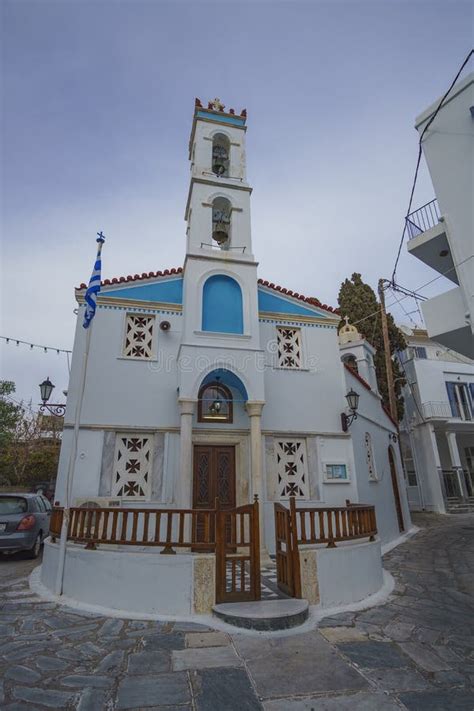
(46, 389)
(353, 402)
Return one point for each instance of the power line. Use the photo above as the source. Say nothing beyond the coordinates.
(414, 294)
(407, 380)
(420, 151)
(403, 308)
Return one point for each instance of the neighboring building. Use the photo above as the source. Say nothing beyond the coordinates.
(441, 233)
(206, 381)
(438, 426)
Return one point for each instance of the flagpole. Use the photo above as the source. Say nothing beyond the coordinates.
(73, 454)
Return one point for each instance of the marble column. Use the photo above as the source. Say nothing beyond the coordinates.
(254, 410)
(185, 483)
(456, 463)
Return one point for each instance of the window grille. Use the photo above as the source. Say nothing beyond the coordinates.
(289, 347)
(139, 336)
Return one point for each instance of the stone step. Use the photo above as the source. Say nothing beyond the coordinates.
(265, 615)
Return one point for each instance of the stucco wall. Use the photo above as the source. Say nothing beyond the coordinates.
(137, 580)
(372, 419)
(348, 573)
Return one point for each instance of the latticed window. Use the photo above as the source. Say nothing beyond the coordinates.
(369, 456)
(289, 347)
(139, 336)
(132, 466)
(292, 469)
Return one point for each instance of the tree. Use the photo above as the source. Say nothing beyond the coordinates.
(30, 443)
(358, 301)
(10, 413)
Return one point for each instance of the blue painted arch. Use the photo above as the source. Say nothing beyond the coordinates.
(222, 310)
(226, 377)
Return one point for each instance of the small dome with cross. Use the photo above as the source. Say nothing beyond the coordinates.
(348, 333)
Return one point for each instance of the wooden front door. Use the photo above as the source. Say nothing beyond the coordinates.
(214, 477)
(396, 493)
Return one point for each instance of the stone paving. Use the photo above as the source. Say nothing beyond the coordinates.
(415, 652)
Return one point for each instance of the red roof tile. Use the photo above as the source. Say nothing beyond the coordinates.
(136, 277)
(357, 376)
(178, 270)
(309, 299)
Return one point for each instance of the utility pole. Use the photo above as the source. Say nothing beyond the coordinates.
(388, 357)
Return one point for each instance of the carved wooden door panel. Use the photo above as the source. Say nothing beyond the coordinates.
(214, 476)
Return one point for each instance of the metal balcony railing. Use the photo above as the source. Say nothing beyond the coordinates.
(422, 219)
(437, 409)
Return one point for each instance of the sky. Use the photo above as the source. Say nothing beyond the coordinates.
(97, 105)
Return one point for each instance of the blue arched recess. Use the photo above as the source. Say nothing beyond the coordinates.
(222, 305)
(227, 377)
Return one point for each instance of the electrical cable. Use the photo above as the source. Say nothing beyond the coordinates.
(414, 293)
(412, 391)
(420, 151)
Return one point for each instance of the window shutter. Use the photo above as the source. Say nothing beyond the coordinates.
(452, 399)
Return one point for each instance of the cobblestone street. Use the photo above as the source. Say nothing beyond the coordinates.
(415, 652)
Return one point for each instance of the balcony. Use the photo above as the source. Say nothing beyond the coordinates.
(436, 410)
(445, 319)
(428, 239)
(422, 219)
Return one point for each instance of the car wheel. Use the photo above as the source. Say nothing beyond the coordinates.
(35, 551)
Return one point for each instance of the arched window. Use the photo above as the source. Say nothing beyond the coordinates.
(214, 403)
(221, 217)
(350, 360)
(220, 155)
(222, 305)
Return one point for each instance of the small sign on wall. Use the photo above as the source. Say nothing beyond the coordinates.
(335, 472)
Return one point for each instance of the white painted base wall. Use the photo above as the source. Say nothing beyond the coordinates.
(138, 581)
(347, 574)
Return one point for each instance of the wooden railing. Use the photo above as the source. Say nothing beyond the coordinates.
(310, 526)
(334, 524)
(165, 528)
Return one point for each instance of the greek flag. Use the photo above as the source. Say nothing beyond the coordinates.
(94, 285)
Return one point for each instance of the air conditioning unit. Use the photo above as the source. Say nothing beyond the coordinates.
(97, 502)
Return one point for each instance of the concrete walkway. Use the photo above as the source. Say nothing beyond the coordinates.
(415, 652)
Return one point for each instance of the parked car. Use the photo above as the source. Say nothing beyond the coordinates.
(24, 523)
(46, 488)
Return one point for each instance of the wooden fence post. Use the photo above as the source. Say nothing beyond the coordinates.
(295, 555)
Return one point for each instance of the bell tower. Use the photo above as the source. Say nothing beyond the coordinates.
(218, 205)
(220, 298)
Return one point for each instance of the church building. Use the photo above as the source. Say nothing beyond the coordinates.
(206, 382)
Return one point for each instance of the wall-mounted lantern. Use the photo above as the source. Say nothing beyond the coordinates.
(353, 402)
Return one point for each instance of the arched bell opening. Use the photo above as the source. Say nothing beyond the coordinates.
(221, 221)
(351, 361)
(220, 155)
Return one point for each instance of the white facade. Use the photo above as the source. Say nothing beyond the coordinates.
(442, 233)
(159, 340)
(438, 426)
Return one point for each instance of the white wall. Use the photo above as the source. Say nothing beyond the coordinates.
(306, 400)
(348, 573)
(136, 580)
(124, 391)
(371, 418)
(448, 147)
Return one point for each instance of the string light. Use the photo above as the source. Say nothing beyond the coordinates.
(17, 342)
